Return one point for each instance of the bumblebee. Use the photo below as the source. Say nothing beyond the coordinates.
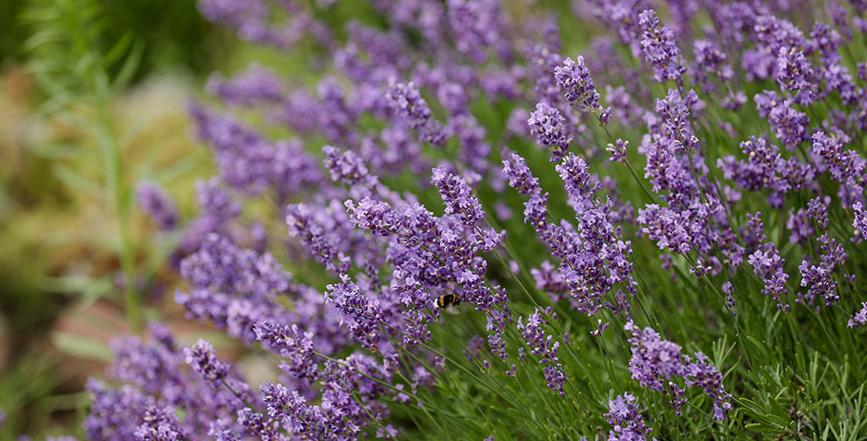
(448, 302)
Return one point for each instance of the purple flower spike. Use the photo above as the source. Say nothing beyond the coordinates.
(545, 347)
(817, 209)
(790, 125)
(291, 343)
(157, 204)
(860, 317)
(626, 421)
(618, 150)
(860, 222)
(406, 101)
(159, 424)
(202, 359)
(656, 363)
(253, 86)
(658, 48)
(458, 197)
(768, 266)
(654, 360)
(577, 85)
(347, 168)
(519, 175)
(549, 128)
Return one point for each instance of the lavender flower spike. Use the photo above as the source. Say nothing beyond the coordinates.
(860, 222)
(659, 49)
(549, 128)
(626, 422)
(458, 197)
(860, 317)
(406, 101)
(544, 347)
(202, 359)
(574, 79)
(157, 204)
(657, 363)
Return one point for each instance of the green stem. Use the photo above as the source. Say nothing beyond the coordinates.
(638, 180)
(117, 194)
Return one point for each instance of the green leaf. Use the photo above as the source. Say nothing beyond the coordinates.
(81, 346)
(54, 151)
(757, 348)
(75, 180)
(130, 67)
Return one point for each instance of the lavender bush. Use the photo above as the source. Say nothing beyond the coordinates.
(654, 227)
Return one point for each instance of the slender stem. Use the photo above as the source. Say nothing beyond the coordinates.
(116, 195)
(638, 180)
(236, 394)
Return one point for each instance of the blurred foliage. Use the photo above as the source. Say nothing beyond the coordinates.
(60, 238)
(92, 100)
(13, 31)
(172, 34)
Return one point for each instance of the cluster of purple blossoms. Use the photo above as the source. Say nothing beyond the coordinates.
(710, 62)
(548, 127)
(289, 342)
(574, 79)
(350, 392)
(232, 287)
(477, 25)
(659, 49)
(162, 382)
(675, 113)
(789, 125)
(618, 150)
(860, 317)
(845, 166)
(656, 363)
(347, 168)
(157, 204)
(202, 359)
(795, 74)
(695, 218)
(544, 347)
(626, 421)
(430, 256)
(159, 424)
(601, 261)
(406, 101)
(666, 146)
(254, 86)
(766, 169)
(249, 164)
(860, 222)
(799, 225)
(768, 265)
(819, 278)
(594, 258)
(817, 210)
(250, 20)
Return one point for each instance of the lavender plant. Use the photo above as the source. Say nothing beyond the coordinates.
(394, 181)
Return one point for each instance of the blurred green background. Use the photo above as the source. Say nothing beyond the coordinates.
(93, 97)
(174, 34)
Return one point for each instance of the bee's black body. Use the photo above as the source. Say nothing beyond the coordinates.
(447, 301)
